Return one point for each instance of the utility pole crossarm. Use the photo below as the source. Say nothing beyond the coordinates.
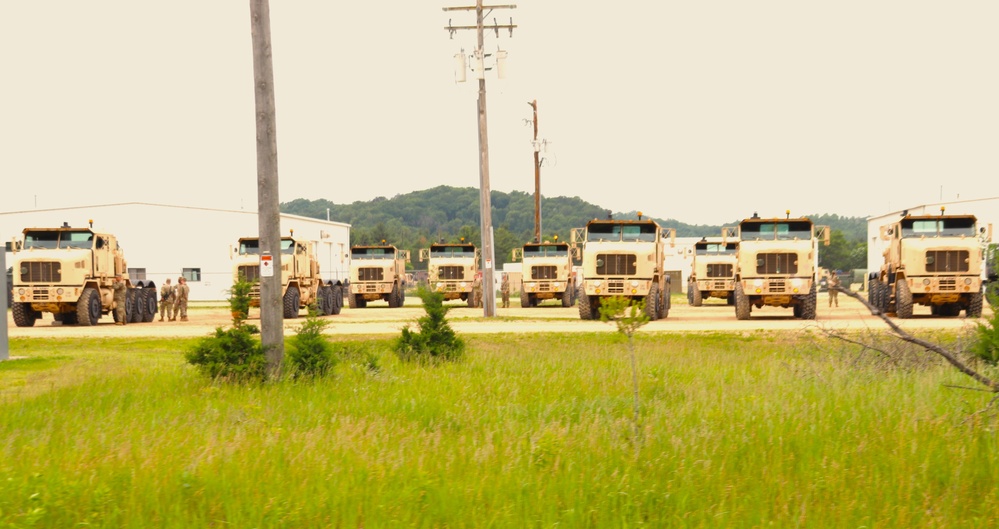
(500, 26)
(473, 8)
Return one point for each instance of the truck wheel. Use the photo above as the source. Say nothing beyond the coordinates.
(151, 304)
(903, 299)
(567, 297)
(586, 309)
(133, 301)
(337, 295)
(696, 298)
(88, 308)
(291, 300)
(690, 293)
(653, 303)
(24, 315)
(525, 299)
(974, 309)
(742, 308)
(352, 300)
(393, 298)
(871, 295)
(808, 305)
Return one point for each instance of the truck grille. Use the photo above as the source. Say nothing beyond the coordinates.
(544, 272)
(249, 272)
(947, 261)
(720, 285)
(776, 263)
(615, 287)
(370, 288)
(777, 286)
(451, 272)
(370, 274)
(616, 265)
(948, 284)
(719, 270)
(41, 272)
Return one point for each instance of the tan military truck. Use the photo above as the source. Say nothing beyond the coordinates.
(453, 269)
(934, 260)
(546, 273)
(712, 270)
(624, 258)
(301, 282)
(69, 272)
(776, 265)
(376, 273)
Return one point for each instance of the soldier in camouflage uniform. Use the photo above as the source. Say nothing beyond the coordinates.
(166, 300)
(505, 290)
(180, 306)
(120, 291)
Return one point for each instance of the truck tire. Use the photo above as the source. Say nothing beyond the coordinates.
(525, 299)
(696, 299)
(24, 315)
(324, 300)
(291, 301)
(567, 296)
(653, 303)
(808, 304)
(871, 297)
(742, 308)
(903, 299)
(352, 300)
(393, 298)
(88, 307)
(690, 293)
(337, 299)
(137, 305)
(974, 309)
(151, 304)
(585, 304)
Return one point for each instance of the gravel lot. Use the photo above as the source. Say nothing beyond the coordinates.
(377, 318)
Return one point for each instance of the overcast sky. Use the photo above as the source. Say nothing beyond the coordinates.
(694, 110)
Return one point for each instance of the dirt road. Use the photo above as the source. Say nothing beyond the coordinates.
(377, 318)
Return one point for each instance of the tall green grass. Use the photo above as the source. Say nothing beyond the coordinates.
(776, 429)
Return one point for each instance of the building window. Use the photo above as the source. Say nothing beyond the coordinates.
(192, 274)
(137, 274)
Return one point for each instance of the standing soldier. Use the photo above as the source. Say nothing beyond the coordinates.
(180, 306)
(120, 290)
(166, 300)
(834, 289)
(505, 290)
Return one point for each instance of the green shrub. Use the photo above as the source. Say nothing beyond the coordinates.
(310, 352)
(435, 341)
(231, 355)
(239, 300)
(986, 346)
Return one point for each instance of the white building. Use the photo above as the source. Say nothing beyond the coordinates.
(161, 241)
(985, 209)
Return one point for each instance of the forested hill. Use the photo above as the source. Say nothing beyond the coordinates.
(413, 220)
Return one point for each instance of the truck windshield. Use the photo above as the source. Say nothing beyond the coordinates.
(716, 248)
(546, 250)
(776, 231)
(457, 250)
(59, 239)
(372, 253)
(938, 227)
(614, 231)
(249, 247)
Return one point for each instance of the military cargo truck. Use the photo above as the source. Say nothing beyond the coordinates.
(301, 283)
(69, 272)
(453, 269)
(377, 273)
(932, 260)
(776, 265)
(625, 258)
(546, 273)
(712, 271)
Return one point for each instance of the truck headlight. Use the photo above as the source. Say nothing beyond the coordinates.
(59, 291)
(967, 280)
(758, 283)
(926, 281)
(597, 283)
(462, 284)
(634, 284)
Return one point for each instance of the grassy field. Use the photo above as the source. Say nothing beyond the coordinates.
(767, 429)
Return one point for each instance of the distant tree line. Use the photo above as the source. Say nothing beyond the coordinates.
(414, 220)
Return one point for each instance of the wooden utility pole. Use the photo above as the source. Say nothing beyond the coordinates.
(268, 210)
(485, 204)
(537, 175)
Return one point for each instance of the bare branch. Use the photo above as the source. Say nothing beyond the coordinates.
(904, 336)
